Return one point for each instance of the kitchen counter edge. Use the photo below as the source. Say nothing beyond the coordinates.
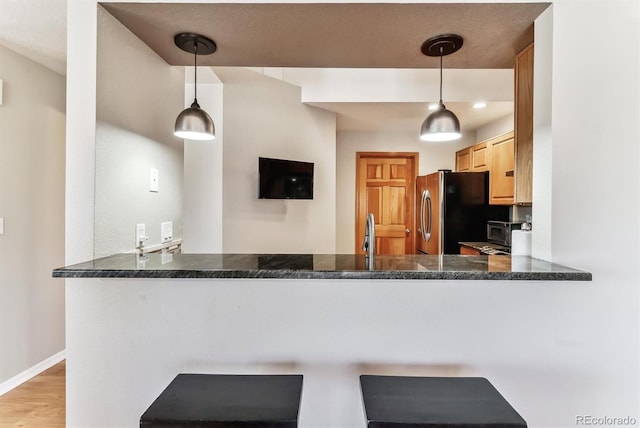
(410, 267)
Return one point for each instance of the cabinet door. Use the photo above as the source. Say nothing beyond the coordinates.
(524, 126)
(501, 180)
(468, 251)
(480, 157)
(463, 160)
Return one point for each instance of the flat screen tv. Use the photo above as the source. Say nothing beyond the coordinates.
(285, 179)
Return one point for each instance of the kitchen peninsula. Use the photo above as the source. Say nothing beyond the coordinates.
(322, 266)
(134, 322)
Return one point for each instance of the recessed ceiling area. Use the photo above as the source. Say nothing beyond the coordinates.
(340, 35)
(400, 117)
(345, 35)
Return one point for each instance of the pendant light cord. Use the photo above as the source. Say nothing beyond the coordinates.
(440, 74)
(195, 72)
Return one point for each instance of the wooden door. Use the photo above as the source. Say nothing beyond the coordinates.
(385, 186)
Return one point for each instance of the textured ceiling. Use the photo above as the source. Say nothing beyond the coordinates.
(37, 29)
(356, 35)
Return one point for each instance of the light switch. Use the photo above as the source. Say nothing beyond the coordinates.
(167, 231)
(1, 226)
(153, 180)
(0, 92)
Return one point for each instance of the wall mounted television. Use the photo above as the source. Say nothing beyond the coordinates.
(285, 179)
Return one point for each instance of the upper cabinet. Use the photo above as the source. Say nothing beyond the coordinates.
(495, 155)
(508, 157)
(524, 126)
(474, 158)
(480, 157)
(501, 180)
(463, 160)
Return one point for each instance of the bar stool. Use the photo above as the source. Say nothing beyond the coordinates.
(435, 402)
(206, 400)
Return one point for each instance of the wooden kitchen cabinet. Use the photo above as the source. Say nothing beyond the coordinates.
(468, 251)
(480, 157)
(496, 155)
(524, 126)
(501, 174)
(474, 158)
(509, 157)
(463, 160)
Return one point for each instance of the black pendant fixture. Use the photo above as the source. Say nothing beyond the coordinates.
(194, 123)
(442, 124)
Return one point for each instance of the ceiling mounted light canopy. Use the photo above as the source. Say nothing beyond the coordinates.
(193, 123)
(442, 124)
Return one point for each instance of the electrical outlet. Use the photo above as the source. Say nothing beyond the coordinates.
(167, 231)
(1, 226)
(154, 176)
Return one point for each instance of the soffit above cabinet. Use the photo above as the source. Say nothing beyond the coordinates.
(341, 35)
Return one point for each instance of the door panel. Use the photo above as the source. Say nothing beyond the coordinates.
(374, 201)
(385, 186)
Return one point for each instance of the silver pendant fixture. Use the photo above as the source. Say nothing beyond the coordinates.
(194, 123)
(442, 124)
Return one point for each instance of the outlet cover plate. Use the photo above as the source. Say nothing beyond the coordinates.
(167, 231)
(153, 180)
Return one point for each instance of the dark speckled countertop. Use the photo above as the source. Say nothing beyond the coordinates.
(321, 266)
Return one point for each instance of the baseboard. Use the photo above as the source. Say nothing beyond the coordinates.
(21, 378)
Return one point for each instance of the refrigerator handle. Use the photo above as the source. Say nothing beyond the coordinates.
(422, 223)
(430, 211)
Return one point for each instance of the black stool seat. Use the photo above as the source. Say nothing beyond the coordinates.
(435, 402)
(204, 400)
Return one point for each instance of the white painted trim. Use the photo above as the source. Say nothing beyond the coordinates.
(29, 373)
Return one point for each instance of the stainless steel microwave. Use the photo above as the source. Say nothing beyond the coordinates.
(499, 232)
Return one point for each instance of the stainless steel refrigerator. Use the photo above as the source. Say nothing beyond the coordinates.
(453, 207)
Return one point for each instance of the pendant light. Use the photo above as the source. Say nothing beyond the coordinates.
(194, 123)
(442, 124)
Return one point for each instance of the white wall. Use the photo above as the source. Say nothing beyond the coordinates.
(494, 128)
(138, 98)
(543, 145)
(264, 117)
(433, 156)
(595, 152)
(32, 135)
(568, 348)
(202, 210)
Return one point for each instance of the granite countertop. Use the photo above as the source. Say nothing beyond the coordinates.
(321, 266)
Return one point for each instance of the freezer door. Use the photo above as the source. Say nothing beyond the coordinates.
(432, 214)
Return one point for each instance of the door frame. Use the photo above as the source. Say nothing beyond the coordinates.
(361, 198)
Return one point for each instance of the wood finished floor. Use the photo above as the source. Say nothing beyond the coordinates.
(39, 402)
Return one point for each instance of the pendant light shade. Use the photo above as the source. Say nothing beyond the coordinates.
(442, 124)
(194, 123)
